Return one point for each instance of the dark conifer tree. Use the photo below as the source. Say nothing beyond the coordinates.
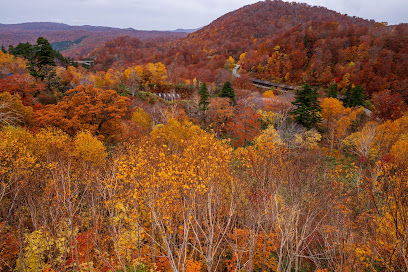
(307, 111)
(332, 91)
(228, 91)
(358, 96)
(203, 97)
(347, 98)
(44, 54)
(354, 96)
(25, 50)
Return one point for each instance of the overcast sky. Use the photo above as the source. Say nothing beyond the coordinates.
(172, 14)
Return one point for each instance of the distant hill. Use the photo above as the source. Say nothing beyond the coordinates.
(75, 41)
(185, 30)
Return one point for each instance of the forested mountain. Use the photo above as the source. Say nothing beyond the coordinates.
(283, 42)
(236, 31)
(322, 52)
(74, 41)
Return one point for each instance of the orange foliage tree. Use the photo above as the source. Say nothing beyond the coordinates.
(86, 108)
(220, 112)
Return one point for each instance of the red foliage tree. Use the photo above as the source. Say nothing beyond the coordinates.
(244, 126)
(24, 85)
(388, 105)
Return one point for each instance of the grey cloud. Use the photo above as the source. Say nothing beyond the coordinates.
(166, 14)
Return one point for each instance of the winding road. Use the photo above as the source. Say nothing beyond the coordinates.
(265, 84)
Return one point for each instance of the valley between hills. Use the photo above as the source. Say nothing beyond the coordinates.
(273, 139)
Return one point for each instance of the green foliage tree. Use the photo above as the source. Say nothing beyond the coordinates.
(43, 57)
(354, 96)
(347, 99)
(22, 49)
(332, 91)
(40, 56)
(307, 111)
(44, 53)
(203, 104)
(41, 62)
(228, 91)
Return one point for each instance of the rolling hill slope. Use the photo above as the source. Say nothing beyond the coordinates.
(75, 41)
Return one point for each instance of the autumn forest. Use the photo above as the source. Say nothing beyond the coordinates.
(160, 154)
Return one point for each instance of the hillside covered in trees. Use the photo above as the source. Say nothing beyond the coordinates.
(101, 169)
(75, 41)
(282, 42)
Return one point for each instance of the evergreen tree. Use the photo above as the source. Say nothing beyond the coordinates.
(25, 50)
(3, 49)
(44, 54)
(332, 91)
(354, 96)
(307, 111)
(358, 96)
(203, 97)
(347, 99)
(228, 91)
(43, 57)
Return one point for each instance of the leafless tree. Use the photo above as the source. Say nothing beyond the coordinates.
(8, 115)
(211, 219)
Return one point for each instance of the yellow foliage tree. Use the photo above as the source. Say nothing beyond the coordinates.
(55, 144)
(220, 112)
(269, 135)
(361, 142)
(338, 119)
(41, 247)
(106, 80)
(12, 110)
(168, 173)
(133, 77)
(309, 139)
(230, 63)
(73, 77)
(389, 133)
(11, 64)
(142, 119)
(400, 150)
(89, 149)
(156, 73)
